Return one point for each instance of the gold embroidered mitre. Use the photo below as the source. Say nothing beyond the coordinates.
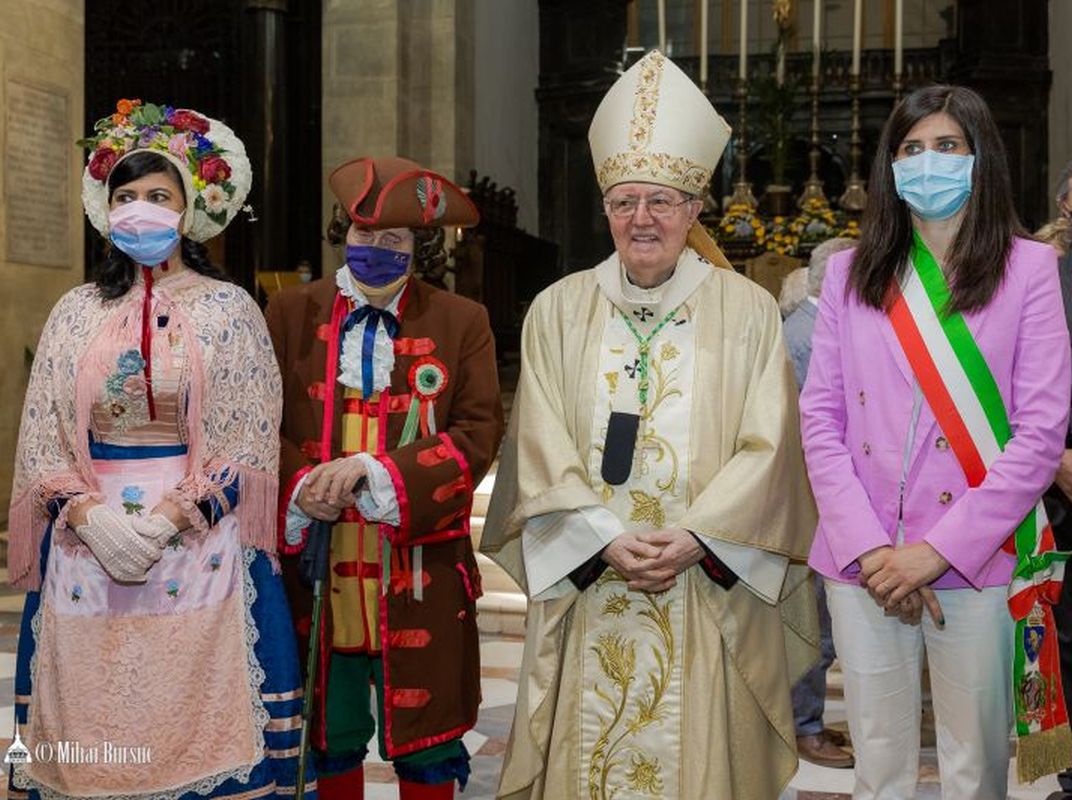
(656, 126)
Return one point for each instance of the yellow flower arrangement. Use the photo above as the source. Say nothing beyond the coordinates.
(851, 229)
(783, 239)
(817, 222)
(741, 224)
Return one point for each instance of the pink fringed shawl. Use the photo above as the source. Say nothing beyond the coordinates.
(233, 411)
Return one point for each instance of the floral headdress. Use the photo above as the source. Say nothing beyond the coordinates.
(212, 161)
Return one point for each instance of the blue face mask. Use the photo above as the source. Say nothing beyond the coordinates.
(935, 185)
(376, 266)
(147, 232)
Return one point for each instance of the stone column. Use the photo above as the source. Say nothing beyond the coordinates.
(1060, 99)
(507, 71)
(581, 56)
(1003, 53)
(265, 117)
(41, 220)
(397, 80)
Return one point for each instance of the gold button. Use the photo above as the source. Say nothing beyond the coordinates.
(944, 498)
(941, 443)
(867, 449)
(863, 397)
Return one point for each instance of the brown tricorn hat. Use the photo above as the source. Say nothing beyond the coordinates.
(395, 192)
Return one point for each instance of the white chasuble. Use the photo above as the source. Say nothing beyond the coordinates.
(683, 694)
(632, 662)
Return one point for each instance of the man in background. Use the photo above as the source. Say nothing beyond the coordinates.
(815, 743)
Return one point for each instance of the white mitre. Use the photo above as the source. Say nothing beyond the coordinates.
(654, 125)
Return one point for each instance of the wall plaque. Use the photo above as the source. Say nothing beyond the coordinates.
(36, 171)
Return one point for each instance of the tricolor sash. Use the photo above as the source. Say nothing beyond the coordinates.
(961, 391)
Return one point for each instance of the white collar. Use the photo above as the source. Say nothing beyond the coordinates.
(351, 367)
(690, 272)
(344, 279)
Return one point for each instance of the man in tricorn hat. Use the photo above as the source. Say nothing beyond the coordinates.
(651, 495)
(391, 416)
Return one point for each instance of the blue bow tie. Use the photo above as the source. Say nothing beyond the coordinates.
(374, 316)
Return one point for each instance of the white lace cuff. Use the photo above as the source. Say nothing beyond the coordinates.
(297, 520)
(761, 571)
(377, 501)
(556, 543)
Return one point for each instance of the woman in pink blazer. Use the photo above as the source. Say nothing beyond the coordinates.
(899, 527)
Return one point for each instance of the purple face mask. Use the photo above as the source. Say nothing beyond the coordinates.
(376, 266)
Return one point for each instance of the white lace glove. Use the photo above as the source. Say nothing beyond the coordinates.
(156, 528)
(124, 554)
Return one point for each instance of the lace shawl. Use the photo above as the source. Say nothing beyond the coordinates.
(233, 411)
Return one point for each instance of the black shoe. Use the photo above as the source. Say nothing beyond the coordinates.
(1064, 779)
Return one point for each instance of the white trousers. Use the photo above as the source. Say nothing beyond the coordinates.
(970, 664)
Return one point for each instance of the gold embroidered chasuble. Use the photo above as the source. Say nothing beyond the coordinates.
(683, 694)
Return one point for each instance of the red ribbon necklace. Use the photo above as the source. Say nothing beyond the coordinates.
(147, 337)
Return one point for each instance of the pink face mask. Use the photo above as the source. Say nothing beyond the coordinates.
(147, 232)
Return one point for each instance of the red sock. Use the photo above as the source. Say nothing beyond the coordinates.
(344, 786)
(408, 790)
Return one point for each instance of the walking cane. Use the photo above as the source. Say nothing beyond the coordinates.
(314, 564)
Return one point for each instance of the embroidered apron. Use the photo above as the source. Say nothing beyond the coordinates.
(166, 666)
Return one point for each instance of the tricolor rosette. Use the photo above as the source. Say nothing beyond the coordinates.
(428, 377)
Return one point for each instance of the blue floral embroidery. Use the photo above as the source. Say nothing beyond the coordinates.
(114, 384)
(214, 561)
(173, 588)
(130, 362)
(76, 592)
(125, 391)
(132, 496)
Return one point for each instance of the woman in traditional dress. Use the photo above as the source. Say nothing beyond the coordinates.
(156, 657)
(934, 416)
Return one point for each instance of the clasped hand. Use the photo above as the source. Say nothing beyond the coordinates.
(651, 562)
(126, 546)
(329, 488)
(897, 580)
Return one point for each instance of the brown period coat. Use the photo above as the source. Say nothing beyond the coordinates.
(438, 474)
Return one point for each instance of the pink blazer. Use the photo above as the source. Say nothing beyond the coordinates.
(856, 409)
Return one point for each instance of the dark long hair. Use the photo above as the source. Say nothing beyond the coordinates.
(975, 263)
(117, 274)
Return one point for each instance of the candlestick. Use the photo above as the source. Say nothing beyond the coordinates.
(703, 44)
(662, 26)
(898, 48)
(813, 188)
(742, 189)
(816, 38)
(857, 34)
(855, 197)
(742, 71)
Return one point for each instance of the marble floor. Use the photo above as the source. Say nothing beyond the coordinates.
(501, 655)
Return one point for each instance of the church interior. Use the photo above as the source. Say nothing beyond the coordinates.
(497, 95)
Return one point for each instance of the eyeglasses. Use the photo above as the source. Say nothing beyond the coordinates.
(659, 207)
